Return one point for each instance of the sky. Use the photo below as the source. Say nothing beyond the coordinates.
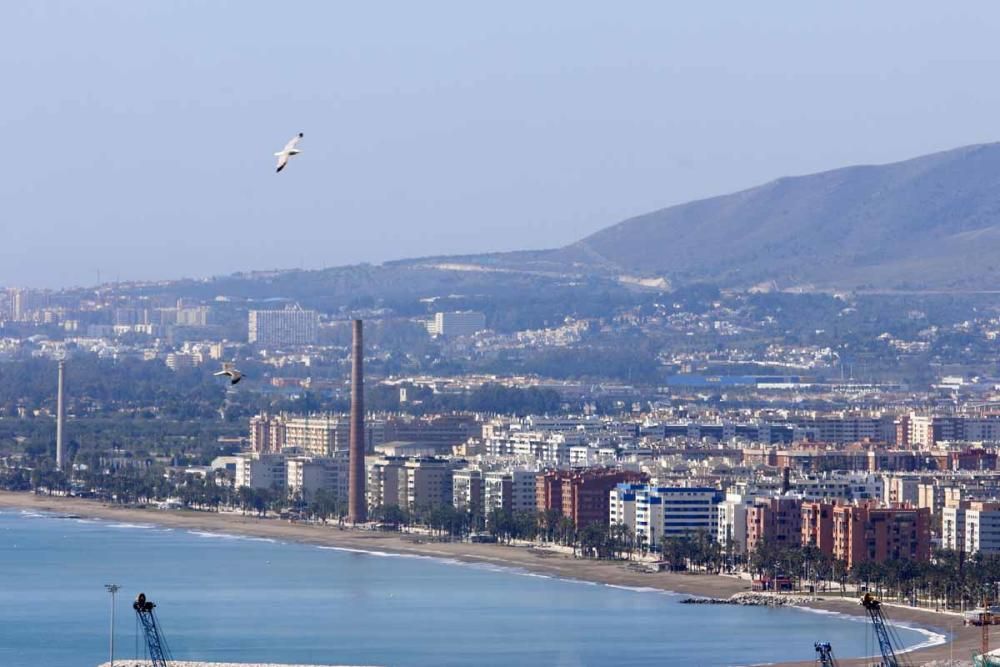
(139, 135)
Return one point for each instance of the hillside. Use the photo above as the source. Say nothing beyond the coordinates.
(932, 222)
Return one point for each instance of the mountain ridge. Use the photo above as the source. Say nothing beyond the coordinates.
(930, 222)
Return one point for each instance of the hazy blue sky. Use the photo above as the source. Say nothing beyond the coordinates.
(138, 135)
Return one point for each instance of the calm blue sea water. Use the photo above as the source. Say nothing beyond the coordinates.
(244, 599)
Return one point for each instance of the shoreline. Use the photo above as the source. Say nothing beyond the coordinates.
(959, 640)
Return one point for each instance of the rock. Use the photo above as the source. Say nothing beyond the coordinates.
(752, 600)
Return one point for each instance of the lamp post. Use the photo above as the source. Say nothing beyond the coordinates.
(113, 589)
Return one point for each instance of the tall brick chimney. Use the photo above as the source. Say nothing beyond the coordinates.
(357, 508)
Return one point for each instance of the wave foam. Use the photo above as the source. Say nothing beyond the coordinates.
(932, 637)
(230, 536)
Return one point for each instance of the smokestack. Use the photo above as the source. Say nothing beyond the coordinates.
(357, 508)
(59, 418)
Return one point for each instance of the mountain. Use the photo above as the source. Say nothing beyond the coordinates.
(932, 222)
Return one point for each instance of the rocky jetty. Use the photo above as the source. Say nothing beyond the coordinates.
(752, 600)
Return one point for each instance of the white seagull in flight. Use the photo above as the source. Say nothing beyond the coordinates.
(288, 151)
(229, 370)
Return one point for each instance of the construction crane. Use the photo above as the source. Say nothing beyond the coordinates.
(155, 644)
(824, 655)
(874, 608)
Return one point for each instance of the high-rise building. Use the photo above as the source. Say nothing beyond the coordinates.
(953, 524)
(306, 475)
(428, 483)
(24, 303)
(817, 526)
(732, 533)
(267, 434)
(458, 323)
(656, 513)
(582, 496)
(313, 435)
(260, 471)
(511, 490)
(386, 483)
(283, 328)
(412, 483)
(982, 528)
(468, 492)
(776, 521)
(194, 316)
(864, 533)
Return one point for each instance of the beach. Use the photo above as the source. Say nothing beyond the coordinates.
(965, 640)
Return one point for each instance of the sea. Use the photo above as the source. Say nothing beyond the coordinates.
(243, 599)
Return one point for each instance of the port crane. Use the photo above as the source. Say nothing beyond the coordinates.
(156, 647)
(882, 633)
(824, 655)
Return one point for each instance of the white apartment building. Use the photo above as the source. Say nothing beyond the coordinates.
(411, 483)
(733, 522)
(833, 486)
(586, 456)
(953, 525)
(982, 528)
(468, 491)
(456, 323)
(658, 512)
(546, 448)
(306, 475)
(428, 482)
(289, 327)
(313, 435)
(386, 479)
(260, 471)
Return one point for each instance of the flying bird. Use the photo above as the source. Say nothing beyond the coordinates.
(229, 370)
(288, 151)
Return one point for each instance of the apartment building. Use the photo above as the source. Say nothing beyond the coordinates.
(864, 533)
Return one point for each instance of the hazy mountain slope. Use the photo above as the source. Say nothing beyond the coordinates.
(929, 222)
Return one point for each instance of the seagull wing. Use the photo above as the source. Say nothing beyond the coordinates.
(221, 373)
(292, 143)
(282, 160)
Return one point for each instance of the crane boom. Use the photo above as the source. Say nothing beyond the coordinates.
(874, 608)
(155, 645)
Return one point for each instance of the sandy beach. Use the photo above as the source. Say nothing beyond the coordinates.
(965, 640)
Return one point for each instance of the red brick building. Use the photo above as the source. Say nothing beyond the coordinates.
(583, 496)
(865, 533)
(817, 526)
(776, 521)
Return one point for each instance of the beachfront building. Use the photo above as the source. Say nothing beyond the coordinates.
(260, 471)
(582, 496)
(776, 521)
(305, 475)
(468, 491)
(732, 524)
(658, 512)
(865, 533)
